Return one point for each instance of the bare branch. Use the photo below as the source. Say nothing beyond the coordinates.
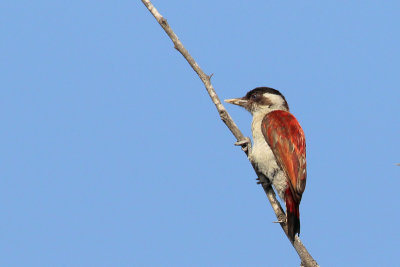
(306, 258)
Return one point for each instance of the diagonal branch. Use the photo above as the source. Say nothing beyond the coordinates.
(306, 258)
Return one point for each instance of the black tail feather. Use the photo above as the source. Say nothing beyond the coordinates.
(292, 214)
(293, 223)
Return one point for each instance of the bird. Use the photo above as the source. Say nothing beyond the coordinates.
(279, 148)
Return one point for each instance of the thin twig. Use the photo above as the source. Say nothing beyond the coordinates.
(306, 258)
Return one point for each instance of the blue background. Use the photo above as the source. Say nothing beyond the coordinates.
(112, 153)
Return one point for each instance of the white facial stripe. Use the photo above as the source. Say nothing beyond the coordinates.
(276, 100)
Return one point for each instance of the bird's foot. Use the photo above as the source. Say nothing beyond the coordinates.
(266, 181)
(279, 222)
(245, 144)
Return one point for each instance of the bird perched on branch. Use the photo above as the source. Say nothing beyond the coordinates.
(279, 148)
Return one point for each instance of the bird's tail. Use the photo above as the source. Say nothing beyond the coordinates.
(292, 214)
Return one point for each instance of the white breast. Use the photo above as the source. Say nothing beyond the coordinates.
(262, 155)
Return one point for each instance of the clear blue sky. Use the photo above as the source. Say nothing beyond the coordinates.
(112, 153)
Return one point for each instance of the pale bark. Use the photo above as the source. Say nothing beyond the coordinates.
(305, 257)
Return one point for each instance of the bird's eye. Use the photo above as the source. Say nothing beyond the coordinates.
(254, 96)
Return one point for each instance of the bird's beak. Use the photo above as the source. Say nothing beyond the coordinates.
(237, 101)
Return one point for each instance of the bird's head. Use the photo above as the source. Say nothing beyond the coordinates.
(261, 100)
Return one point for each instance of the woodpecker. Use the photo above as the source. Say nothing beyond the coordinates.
(279, 148)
